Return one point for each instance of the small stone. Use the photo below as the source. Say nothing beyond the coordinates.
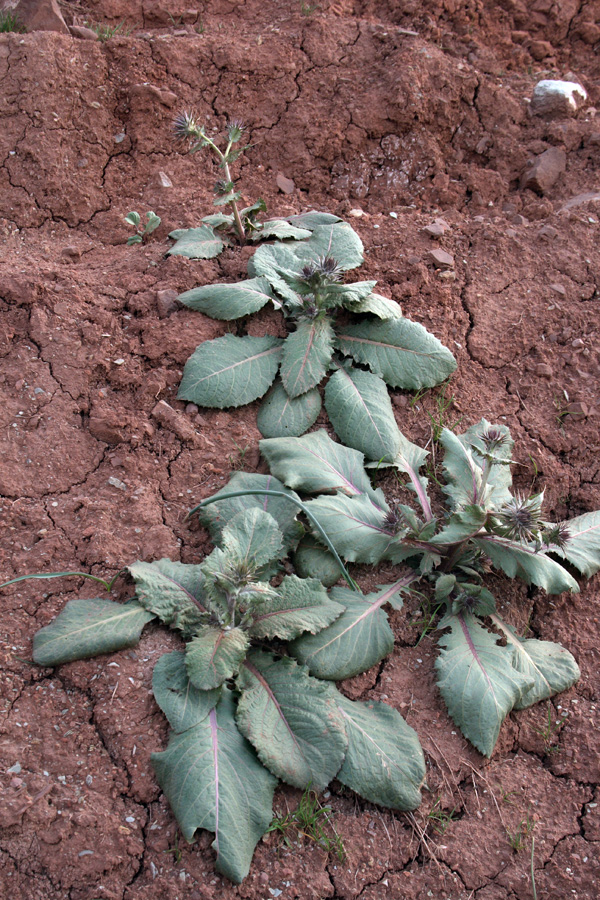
(119, 138)
(83, 33)
(164, 180)
(14, 770)
(356, 213)
(545, 171)
(519, 220)
(191, 409)
(558, 289)
(519, 37)
(441, 259)
(552, 99)
(541, 49)
(589, 32)
(285, 185)
(72, 253)
(548, 232)
(174, 421)
(437, 228)
(578, 410)
(166, 302)
(263, 878)
(114, 482)
(543, 370)
(446, 275)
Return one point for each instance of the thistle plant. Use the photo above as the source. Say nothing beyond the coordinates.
(303, 278)
(485, 669)
(244, 712)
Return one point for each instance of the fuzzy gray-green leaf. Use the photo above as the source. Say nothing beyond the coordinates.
(315, 464)
(354, 525)
(376, 305)
(229, 301)
(282, 416)
(214, 655)
(87, 628)
(306, 355)
(182, 703)
(312, 559)
(212, 779)
(230, 371)
(292, 720)
(478, 680)
(401, 352)
(582, 546)
(279, 228)
(216, 516)
(197, 243)
(526, 562)
(384, 762)
(171, 590)
(360, 410)
(302, 605)
(357, 640)
(252, 537)
(552, 668)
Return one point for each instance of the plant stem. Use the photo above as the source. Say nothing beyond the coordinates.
(107, 584)
(348, 578)
(236, 215)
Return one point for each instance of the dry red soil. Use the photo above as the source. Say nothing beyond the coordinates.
(418, 109)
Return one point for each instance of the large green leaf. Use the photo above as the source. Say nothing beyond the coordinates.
(229, 301)
(582, 547)
(357, 640)
(230, 371)
(281, 229)
(292, 720)
(384, 762)
(282, 416)
(182, 703)
(311, 559)
(278, 262)
(338, 240)
(526, 562)
(212, 779)
(477, 680)
(376, 305)
(360, 410)
(88, 627)
(354, 525)
(196, 243)
(171, 590)
(252, 538)
(552, 668)
(302, 605)
(347, 294)
(402, 352)
(462, 473)
(216, 516)
(215, 655)
(315, 464)
(312, 219)
(306, 355)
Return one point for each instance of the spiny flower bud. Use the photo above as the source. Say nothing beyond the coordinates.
(324, 270)
(235, 130)
(557, 535)
(521, 517)
(185, 126)
(494, 438)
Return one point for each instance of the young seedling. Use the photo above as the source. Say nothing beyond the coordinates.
(10, 22)
(518, 838)
(312, 820)
(441, 818)
(142, 232)
(551, 730)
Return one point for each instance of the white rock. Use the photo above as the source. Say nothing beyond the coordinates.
(557, 98)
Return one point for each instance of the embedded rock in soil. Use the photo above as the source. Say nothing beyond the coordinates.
(552, 99)
(545, 171)
(36, 15)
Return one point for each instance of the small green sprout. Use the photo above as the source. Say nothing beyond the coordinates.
(134, 218)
